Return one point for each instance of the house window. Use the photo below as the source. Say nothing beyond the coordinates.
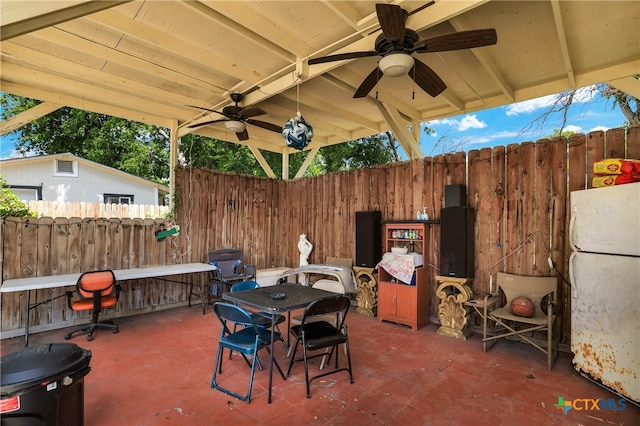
(118, 198)
(66, 168)
(27, 193)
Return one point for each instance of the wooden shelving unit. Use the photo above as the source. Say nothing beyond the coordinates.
(399, 302)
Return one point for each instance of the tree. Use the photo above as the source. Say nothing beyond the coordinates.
(629, 105)
(143, 150)
(136, 148)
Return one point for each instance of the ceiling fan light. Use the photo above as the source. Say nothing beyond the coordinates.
(396, 64)
(235, 126)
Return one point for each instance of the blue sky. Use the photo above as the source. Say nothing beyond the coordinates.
(496, 126)
(516, 123)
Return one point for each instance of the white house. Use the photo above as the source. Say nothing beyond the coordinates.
(69, 178)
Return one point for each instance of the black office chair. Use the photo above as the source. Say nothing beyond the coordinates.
(96, 290)
(314, 335)
(247, 341)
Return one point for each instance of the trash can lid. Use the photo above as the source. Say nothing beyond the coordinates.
(33, 364)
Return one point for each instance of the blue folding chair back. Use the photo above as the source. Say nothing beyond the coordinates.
(244, 285)
(247, 341)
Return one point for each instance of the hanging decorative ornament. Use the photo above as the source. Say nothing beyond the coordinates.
(297, 133)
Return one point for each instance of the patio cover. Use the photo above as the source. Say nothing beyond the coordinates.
(148, 60)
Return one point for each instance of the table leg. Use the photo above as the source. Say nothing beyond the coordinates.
(26, 319)
(273, 321)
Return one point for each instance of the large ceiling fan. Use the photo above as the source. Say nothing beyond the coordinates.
(237, 117)
(396, 45)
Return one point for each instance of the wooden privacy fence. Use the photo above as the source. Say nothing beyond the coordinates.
(519, 194)
(96, 210)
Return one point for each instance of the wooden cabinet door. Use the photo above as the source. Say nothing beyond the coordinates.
(406, 306)
(386, 301)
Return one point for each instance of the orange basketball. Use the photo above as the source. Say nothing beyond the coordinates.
(522, 306)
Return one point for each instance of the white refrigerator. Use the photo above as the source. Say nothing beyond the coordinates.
(604, 271)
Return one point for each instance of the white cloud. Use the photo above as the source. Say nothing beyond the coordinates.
(595, 129)
(573, 128)
(529, 106)
(582, 95)
(471, 122)
(467, 122)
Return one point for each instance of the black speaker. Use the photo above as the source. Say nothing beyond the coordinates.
(368, 238)
(456, 242)
(455, 195)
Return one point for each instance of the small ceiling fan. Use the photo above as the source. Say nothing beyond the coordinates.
(396, 45)
(237, 117)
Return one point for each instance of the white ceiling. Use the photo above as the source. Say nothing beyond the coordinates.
(148, 60)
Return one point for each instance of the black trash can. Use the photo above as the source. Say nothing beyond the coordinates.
(44, 385)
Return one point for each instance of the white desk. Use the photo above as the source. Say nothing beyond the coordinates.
(66, 280)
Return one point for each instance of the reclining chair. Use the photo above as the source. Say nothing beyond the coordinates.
(501, 322)
(230, 269)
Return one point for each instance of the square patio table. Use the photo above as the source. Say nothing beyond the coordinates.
(296, 296)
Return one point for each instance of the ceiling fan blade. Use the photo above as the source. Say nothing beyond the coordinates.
(392, 19)
(250, 112)
(342, 56)
(243, 135)
(426, 78)
(193, 126)
(454, 41)
(265, 125)
(368, 83)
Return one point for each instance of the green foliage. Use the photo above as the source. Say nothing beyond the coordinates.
(143, 150)
(136, 148)
(10, 204)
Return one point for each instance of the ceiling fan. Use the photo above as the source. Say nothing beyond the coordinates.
(396, 45)
(237, 117)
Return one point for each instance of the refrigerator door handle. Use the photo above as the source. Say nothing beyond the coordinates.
(572, 280)
(572, 221)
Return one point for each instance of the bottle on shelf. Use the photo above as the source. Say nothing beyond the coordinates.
(418, 215)
(424, 214)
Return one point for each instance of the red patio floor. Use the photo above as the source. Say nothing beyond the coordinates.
(157, 371)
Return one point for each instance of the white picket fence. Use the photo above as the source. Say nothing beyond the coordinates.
(95, 210)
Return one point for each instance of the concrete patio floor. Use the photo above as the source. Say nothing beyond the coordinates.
(157, 371)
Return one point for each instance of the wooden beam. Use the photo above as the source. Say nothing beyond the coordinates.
(19, 120)
(629, 85)
(562, 41)
(262, 161)
(23, 17)
(399, 129)
(307, 162)
(29, 91)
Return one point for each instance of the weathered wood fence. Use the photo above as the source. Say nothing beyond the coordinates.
(96, 210)
(519, 194)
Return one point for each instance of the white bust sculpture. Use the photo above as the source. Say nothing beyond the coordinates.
(305, 248)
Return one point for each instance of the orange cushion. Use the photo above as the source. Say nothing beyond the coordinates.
(87, 304)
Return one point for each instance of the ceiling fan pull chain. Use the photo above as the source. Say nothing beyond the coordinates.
(413, 87)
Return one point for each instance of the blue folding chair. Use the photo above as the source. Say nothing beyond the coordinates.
(262, 319)
(247, 341)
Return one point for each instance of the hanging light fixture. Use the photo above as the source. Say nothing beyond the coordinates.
(235, 126)
(297, 132)
(396, 64)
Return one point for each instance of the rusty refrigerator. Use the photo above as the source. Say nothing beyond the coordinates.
(604, 271)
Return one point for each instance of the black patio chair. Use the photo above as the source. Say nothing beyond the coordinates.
(231, 269)
(315, 335)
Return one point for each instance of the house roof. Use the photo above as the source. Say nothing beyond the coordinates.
(149, 61)
(162, 189)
